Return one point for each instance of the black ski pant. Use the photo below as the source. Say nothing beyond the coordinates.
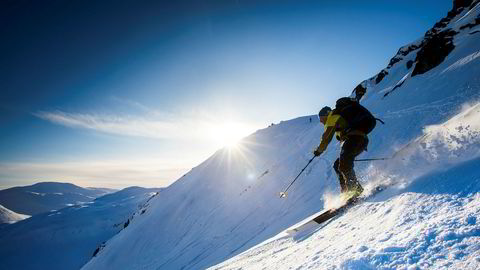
(351, 148)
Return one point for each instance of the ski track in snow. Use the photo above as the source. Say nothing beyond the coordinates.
(441, 106)
(462, 62)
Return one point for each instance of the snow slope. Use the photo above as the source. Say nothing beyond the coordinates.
(428, 221)
(67, 238)
(8, 216)
(230, 203)
(46, 196)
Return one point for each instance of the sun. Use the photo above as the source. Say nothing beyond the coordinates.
(228, 134)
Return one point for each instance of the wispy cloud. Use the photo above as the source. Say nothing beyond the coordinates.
(121, 125)
(196, 126)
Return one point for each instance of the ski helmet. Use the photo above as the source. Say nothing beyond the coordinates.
(324, 111)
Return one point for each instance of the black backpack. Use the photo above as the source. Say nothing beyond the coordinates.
(357, 116)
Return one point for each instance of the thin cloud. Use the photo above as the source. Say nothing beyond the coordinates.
(154, 124)
(123, 125)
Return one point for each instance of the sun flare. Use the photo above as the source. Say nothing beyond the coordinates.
(228, 134)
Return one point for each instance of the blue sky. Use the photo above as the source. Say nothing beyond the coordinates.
(121, 93)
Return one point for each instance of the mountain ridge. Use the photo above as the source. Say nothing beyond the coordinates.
(46, 196)
(67, 238)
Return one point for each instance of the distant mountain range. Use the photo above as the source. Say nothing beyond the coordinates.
(47, 196)
(69, 237)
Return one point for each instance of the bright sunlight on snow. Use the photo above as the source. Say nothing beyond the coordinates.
(229, 133)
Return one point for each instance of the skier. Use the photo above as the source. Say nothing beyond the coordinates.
(351, 123)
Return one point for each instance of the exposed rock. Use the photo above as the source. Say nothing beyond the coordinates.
(474, 3)
(438, 27)
(360, 91)
(410, 49)
(393, 61)
(409, 64)
(403, 51)
(380, 76)
(96, 252)
(452, 13)
(102, 246)
(442, 23)
(434, 51)
(458, 7)
(461, 3)
(472, 24)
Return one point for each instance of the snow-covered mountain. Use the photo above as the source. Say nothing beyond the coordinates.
(69, 237)
(7, 216)
(46, 196)
(429, 97)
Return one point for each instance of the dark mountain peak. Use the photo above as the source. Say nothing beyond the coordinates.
(49, 187)
(457, 4)
(431, 50)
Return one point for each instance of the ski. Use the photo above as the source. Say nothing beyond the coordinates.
(330, 213)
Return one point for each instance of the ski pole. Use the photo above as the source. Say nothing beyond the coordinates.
(284, 193)
(371, 159)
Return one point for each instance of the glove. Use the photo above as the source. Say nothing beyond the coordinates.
(317, 152)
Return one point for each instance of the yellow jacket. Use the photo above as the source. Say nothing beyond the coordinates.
(337, 125)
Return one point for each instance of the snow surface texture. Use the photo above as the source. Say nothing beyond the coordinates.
(8, 216)
(67, 238)
(229, 204)
(430, 222)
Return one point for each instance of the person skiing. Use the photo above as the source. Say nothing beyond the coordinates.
(351, 123)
